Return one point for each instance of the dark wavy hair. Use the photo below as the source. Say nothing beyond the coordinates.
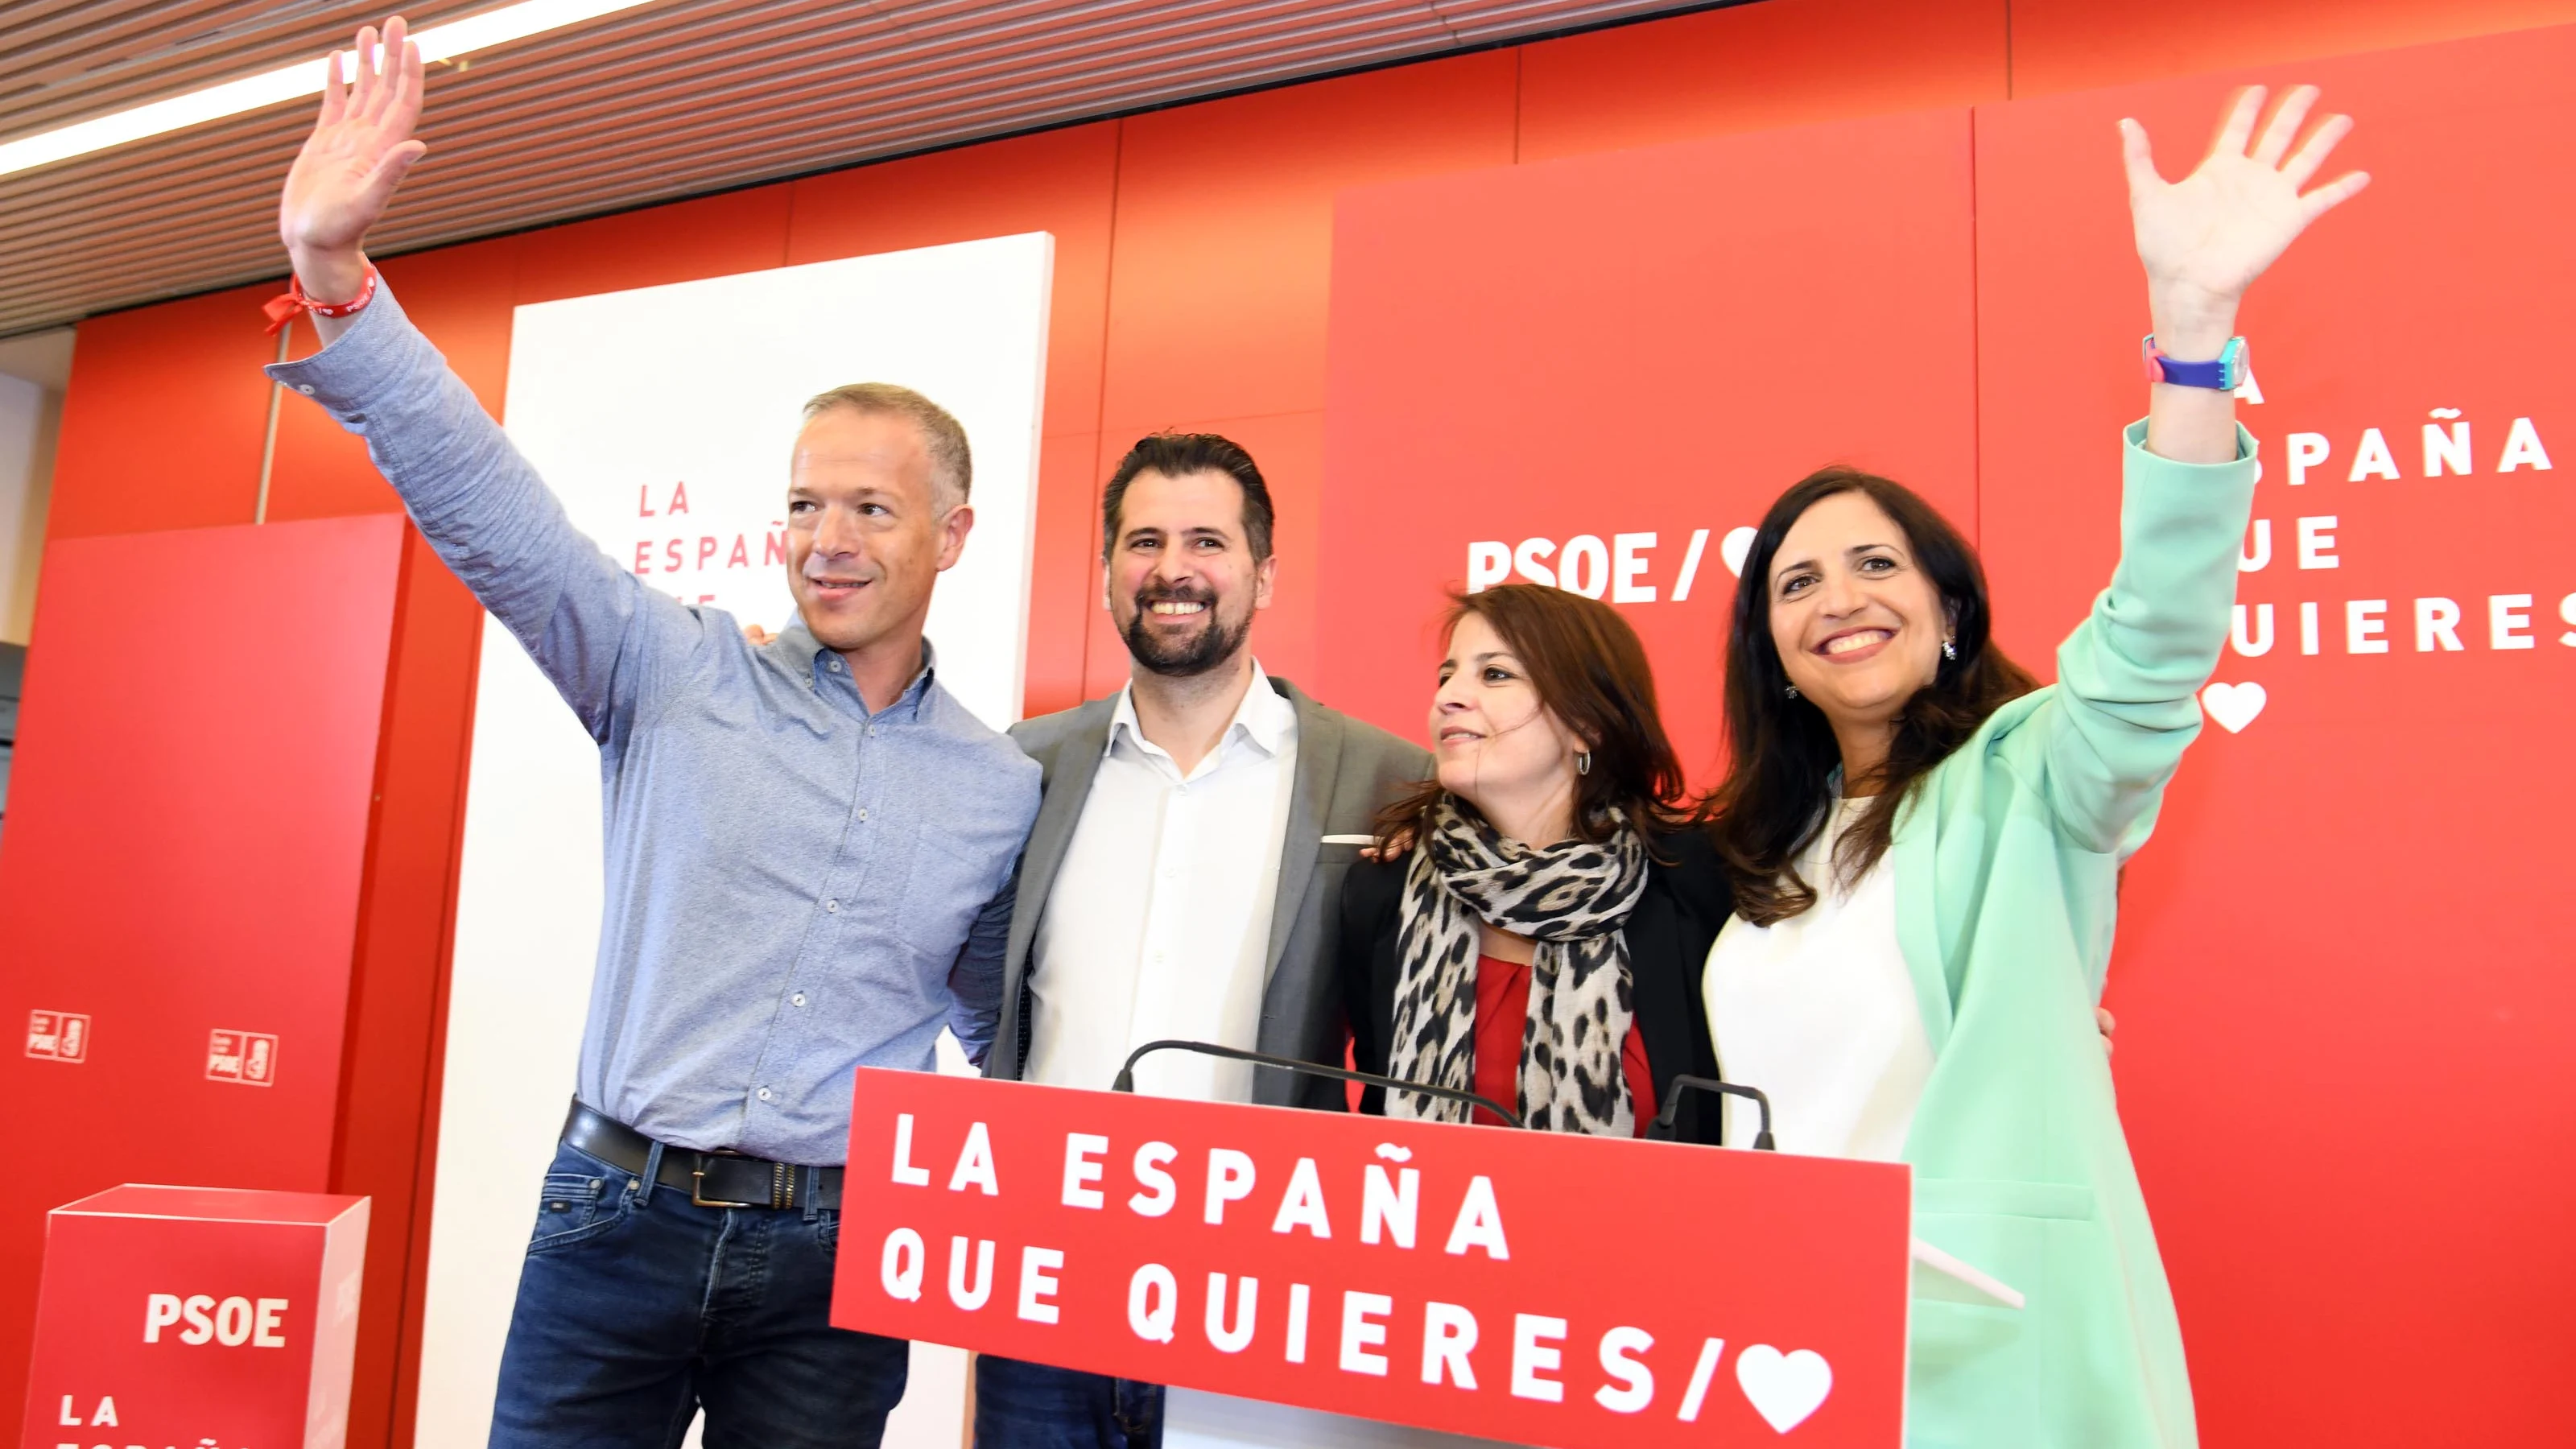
(1590, 671)
(1178, 455)
(1781, 751)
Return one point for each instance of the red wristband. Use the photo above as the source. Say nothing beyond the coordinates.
(285, 306)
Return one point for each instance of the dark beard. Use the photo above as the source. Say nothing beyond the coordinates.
(1214, 644)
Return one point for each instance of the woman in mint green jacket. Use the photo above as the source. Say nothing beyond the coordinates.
(1925, 845)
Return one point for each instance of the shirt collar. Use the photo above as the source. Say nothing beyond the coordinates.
(1265, 718)
(809, 661)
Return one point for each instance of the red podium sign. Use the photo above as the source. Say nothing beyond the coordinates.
(196, 1316)
(1529, 1286)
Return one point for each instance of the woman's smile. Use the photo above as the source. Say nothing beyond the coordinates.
(1851, 646)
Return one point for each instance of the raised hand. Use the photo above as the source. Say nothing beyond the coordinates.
(2205, 238)
(359, 150)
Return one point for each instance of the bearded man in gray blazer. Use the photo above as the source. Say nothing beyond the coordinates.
(1185, 865)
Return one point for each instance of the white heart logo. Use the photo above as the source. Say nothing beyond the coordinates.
(1784, 1387)
(1732, 549)
(2233, 705)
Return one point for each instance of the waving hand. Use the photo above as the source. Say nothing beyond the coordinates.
(2204, 239)
(2214, 231)
(359, 150)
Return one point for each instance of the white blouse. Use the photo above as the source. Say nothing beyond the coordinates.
(1819, 1012)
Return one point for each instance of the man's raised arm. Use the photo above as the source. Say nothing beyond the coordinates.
(597, 631)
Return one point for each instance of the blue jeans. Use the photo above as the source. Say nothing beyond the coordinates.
(637, 1307)
(1022, 1405)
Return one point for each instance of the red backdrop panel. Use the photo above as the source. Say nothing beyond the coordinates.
(387, 1130)
(1644, 342)
(1224, 256)
(2060, 45)
(711, 236)
(164, 417)
(188, 824)
(1751, 67)
(2348, 1030)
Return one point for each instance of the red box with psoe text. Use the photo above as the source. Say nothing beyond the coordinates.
(203, 1316)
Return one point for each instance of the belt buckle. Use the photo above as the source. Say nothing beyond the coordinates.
(698, 1188)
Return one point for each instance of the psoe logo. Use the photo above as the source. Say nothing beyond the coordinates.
(202, 1318)
(58, 1036)
(246, 1057)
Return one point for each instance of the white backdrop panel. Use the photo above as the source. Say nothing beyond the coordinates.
(663, 417)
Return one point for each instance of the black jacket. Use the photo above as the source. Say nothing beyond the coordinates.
(1668, 935)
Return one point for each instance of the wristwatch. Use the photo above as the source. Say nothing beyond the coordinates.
(2226, 374)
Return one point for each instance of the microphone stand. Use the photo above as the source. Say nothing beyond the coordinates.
(1126, 1081)
(1662, 1130)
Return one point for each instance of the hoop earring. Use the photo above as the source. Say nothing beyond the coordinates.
(1583, 762)
(1949, 649)
(1793, 691)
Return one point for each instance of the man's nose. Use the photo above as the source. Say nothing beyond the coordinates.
(836, 533)
(1171, 570)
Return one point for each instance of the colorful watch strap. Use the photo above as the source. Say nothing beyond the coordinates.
(2226, 374)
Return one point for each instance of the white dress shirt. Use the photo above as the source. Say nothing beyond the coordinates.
(1158, 924)
(1819, 1012)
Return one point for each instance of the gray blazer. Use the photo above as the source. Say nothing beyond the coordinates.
(1346, 771)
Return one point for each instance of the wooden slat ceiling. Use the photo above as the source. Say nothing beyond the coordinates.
(675, 98)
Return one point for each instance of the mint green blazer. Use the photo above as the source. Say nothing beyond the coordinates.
(2007, 862)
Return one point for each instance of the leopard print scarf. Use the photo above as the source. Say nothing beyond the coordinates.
(1573, 900)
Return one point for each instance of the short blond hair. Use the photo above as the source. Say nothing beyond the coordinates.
(952, 463)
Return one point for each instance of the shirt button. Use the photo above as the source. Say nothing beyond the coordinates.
(872, 732)
(834, 666)
(832, 905)
(764, 1094)
(305, 388)
(863, 817)
(797, 1000)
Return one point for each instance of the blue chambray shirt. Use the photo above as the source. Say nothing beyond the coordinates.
(794, 886)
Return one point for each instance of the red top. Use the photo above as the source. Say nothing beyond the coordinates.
(1502, 1007)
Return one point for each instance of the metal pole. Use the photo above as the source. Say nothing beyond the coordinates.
(268, 445)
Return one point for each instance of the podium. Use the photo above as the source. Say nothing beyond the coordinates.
(209, 1316)
(1526, 1287)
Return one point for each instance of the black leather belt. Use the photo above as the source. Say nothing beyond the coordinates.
(712, 1179)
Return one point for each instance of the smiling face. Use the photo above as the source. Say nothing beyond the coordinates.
(1857, 621)
(868, 531)
(1181, 581)
(1495, 743)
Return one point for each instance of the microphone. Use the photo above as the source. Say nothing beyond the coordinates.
(1662, 1130)
(1126, 1081)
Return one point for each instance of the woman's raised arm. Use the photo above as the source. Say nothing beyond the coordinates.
(2128, 677)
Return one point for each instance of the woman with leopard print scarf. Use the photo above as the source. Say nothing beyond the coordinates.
(1534, 928)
